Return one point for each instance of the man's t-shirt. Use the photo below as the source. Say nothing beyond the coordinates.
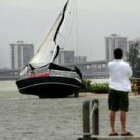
(119, 72)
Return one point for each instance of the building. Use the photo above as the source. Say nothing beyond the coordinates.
(114, 41)
(21, 54)
(65, 57)
(68, 57)
(80, 59)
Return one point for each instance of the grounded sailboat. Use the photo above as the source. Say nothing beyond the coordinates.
(44, 78)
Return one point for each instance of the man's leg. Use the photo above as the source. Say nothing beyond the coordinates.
(112, 122)
(123, 121)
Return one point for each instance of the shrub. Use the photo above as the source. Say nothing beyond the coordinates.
(95, 87)
(88, 85)
(100, 87)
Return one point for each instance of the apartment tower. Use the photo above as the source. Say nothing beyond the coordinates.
(21, 54)
(114, 41)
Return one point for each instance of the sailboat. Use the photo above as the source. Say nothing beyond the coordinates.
(42, 77)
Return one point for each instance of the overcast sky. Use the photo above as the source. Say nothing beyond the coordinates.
(30, 20)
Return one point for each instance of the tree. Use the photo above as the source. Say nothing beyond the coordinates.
(134, 57)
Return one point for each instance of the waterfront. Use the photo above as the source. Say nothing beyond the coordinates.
(30, 118)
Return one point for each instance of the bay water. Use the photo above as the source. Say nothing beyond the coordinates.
(24, 117)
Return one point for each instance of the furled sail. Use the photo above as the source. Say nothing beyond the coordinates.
(43, 55)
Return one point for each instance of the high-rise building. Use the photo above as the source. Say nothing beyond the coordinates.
(114, 41)
(64, 57)
(21, 54)
(80, 59)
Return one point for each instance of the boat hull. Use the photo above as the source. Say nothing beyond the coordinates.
(52, 86)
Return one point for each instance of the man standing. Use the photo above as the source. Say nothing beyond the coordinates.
(118, 100)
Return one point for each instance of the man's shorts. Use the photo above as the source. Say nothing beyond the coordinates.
(118, 100)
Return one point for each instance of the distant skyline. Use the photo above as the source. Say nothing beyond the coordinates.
(30, 21)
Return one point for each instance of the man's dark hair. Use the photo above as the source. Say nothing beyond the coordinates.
(118, 53)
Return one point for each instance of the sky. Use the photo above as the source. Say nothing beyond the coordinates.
(30, 21)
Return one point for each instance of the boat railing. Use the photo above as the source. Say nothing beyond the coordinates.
(63, 73)
(43, 72)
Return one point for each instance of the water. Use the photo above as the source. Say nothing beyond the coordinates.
(30, 118)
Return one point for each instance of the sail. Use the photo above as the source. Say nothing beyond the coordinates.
(49, 48)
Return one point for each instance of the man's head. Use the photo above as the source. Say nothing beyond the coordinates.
(118, 53)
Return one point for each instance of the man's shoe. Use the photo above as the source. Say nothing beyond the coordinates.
(115, 134)
(127, 134)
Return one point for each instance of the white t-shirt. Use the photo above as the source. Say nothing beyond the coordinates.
(119, 72)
